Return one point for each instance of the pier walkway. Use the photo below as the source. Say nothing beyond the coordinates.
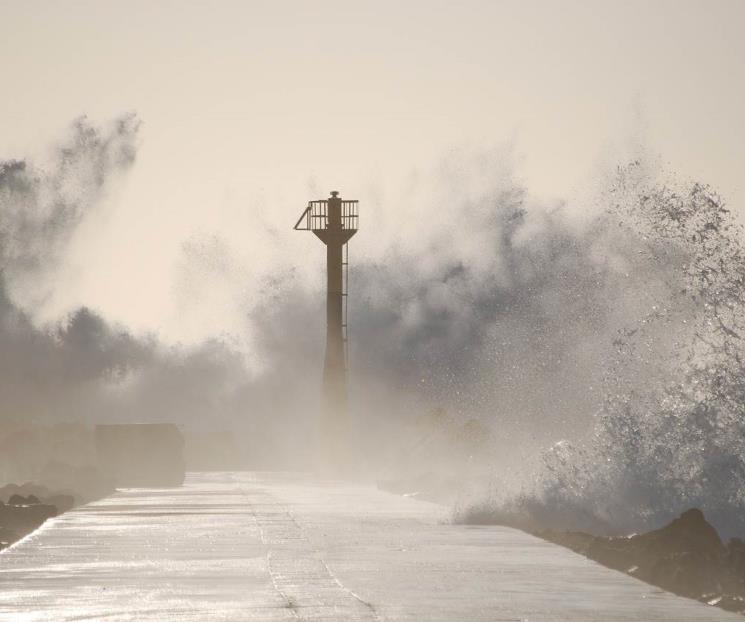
(280, 547)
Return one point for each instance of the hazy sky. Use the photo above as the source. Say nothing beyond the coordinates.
(249, 109)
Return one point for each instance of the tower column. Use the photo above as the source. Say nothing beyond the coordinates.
(334, 221)
(334, 305)
(334, 418)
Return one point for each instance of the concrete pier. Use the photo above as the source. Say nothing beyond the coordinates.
(279, 547)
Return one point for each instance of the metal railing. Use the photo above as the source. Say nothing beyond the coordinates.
(315, 216)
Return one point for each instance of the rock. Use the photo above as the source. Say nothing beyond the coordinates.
(688, 534)
(679, 557)
(29, 488)
(683, 557)
(25, 518)
(727, 601)
(9, 490)
(686, 557)
(22, 514)
(7, 537)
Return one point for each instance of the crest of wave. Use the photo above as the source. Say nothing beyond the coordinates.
(671, 432)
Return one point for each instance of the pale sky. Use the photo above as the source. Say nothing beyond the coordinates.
(250, 109)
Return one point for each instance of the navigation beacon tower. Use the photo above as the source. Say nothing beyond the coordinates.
(334, 221)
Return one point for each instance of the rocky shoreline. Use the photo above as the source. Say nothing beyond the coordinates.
(24, 508)
(685, 557)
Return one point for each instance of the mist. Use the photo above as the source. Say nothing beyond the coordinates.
(472, 299)
(483, 301)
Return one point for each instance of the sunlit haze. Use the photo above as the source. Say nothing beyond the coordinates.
(249, 109)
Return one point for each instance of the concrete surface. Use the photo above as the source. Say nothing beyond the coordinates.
(266, 547)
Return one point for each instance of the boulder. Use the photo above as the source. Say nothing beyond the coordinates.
(678, 557)
(7, 537)
(686, 557)
(24, 519)
(23, 490)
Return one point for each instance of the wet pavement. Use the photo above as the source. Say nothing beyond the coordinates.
(266, 547)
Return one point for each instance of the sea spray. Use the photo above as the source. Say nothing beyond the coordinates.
(515, 312)
(671, 432)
